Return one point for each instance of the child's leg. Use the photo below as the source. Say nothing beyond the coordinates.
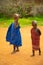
(33, 53)
(39, 52)
(17, 48)
(14, 47)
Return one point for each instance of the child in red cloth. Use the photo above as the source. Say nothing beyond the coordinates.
(35, 36)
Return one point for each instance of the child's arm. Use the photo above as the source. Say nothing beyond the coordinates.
(39, 32)
(31, 33)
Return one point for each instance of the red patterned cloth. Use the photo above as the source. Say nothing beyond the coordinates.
(35, 39)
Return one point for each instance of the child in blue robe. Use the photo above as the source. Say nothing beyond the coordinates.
(13, 34)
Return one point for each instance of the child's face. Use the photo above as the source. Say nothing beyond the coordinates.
(34, 26)
(16, 18)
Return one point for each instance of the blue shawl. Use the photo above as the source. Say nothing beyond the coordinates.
(13, 35)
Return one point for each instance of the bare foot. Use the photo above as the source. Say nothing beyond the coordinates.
(13, 52)
(32, 55)
(17, 50)
(40, 54)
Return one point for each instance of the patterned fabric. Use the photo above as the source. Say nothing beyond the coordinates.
(35, 39)
(13, 35)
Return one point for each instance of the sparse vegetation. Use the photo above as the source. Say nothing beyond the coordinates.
(5, 22)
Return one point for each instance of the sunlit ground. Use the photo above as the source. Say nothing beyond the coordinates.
(23, 57)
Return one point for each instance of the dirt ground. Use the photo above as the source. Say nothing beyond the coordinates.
(23, 57)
